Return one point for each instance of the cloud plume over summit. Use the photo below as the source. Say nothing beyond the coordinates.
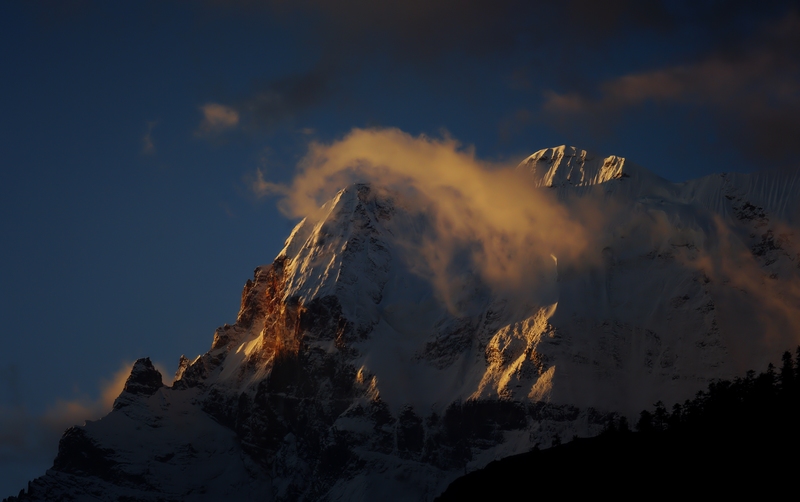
(518, 238)
(511, 232)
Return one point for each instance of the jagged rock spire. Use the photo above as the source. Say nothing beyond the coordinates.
(144, 381)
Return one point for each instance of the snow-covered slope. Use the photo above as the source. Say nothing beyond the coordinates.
(347, 377)
(567, 165)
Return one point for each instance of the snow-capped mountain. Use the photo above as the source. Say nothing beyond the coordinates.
(347, 375)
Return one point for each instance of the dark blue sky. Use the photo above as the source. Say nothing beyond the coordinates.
(131, 132)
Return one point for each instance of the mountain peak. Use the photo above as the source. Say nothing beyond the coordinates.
(144, 380)
(571, 166)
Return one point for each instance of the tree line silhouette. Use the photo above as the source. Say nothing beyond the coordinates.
(770, 399)
(738, 437)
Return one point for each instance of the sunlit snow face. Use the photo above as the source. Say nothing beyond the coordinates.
(489, 221)
(484, 217)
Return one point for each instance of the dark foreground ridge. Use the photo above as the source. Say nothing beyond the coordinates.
(738, 435)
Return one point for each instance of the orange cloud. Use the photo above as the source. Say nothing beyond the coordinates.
(217, 118)
(66, 413)
(488, 212)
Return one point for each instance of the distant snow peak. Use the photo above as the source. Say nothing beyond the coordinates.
(568, 165)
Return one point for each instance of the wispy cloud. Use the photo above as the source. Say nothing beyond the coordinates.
(217, 118)
(65, 413)
(508, 230)
(355, 37)
(261, 187)
(753, 95)
(269, 105)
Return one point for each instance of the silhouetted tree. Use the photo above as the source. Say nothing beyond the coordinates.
(645, 423)
(610, 428)
(797, 364)
(787, 373)
(675, 418)
(765, 387)
(732, 424)
(660, 416)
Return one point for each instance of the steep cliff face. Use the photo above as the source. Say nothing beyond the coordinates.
(347, 376)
